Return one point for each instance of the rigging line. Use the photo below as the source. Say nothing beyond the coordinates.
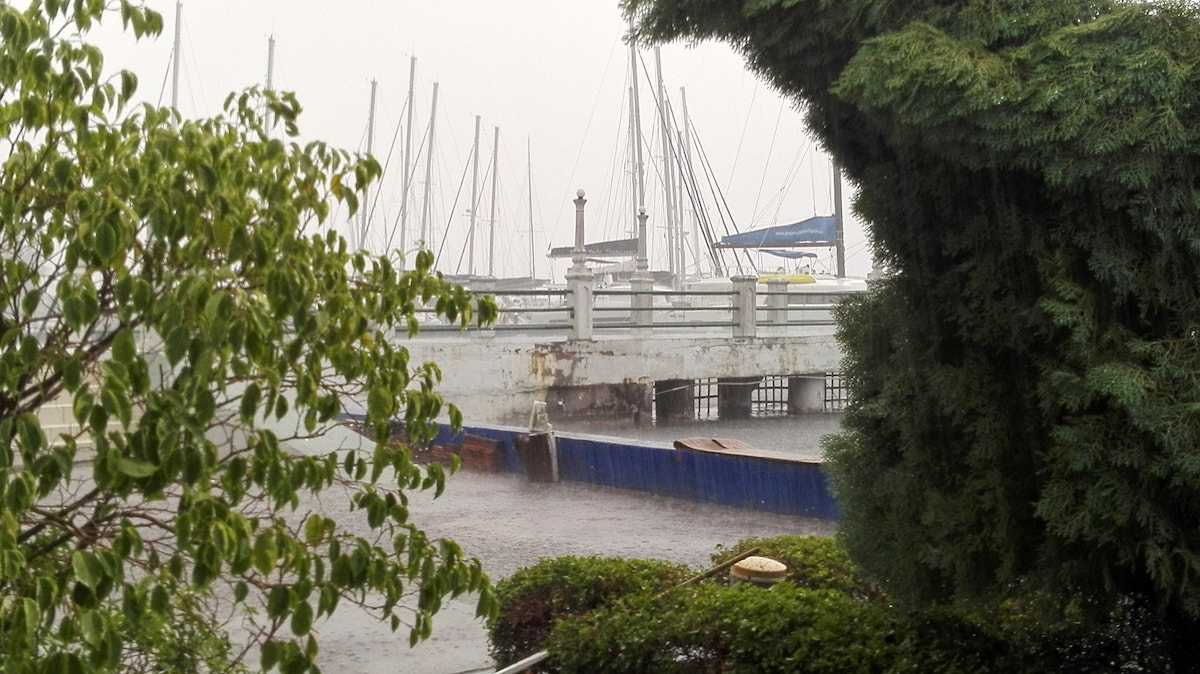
(408, 181)
(737, 155)
(705, 223)
(722, 205)
(475, 208)
(766, 164)
(383, 169)
(453, 206)
(801, 155)
(166, 76)
(616, 181)
(199, 84)
(587, 127)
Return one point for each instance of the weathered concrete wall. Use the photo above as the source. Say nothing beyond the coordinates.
(496, 380)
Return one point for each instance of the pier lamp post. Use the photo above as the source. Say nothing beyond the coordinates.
(579, 279)
(641, 283)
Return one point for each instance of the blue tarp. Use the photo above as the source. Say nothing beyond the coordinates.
(819, 230)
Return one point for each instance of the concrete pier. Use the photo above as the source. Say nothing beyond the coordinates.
(735, 396)
(674, 399)
(806, 394)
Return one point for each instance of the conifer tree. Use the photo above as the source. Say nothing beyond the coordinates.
(1026, 397)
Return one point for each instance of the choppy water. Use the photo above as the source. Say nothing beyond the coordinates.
(800, 434)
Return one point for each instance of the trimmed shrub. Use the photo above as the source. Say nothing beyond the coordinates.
(709, 628)
(813, 562)
(533, 599)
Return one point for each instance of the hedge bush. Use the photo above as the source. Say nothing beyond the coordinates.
(709, 628)
(813, 562)
(533, 599)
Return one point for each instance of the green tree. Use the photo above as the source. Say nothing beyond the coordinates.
(1026, 402)
(172, 289)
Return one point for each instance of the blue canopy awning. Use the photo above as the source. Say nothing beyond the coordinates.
(790, 254)
(820, 230)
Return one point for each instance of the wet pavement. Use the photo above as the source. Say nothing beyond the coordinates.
(508, 523)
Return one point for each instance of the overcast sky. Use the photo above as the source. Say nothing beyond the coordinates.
(552, 75)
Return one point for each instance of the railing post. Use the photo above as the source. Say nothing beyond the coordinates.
(744, 305)
(777, 300)
(579, 280)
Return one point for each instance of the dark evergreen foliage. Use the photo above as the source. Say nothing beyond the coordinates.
(1027, 398)
(534, 599)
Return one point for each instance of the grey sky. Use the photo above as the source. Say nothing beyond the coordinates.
(551, 73)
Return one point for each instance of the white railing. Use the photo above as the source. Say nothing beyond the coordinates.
(742, 308)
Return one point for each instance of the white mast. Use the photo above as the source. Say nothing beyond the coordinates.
(687, 162)
(529, 170)
(673, 249)
(492, 232)
(474, 201)
(428, 172)
(364, 216)
(270, 77)
(407, 180)
(643, 263)
(175, 63)
(839, 228)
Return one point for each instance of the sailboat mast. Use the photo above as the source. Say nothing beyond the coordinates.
(365, 207)
(474, 200)
(529, 171)
(270, 77)
(175, 55)
(642, 263)
(428, 172)
(687, 162)
(492, 230)
(407, 180)
(633, 173)
(838, 221)
(668, 179)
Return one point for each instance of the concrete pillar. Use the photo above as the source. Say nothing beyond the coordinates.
(642, 304)
(744, 308)
(777, 300)
(674, 399)
(642, 282)
(734, 396)
(806, 394)
(579, 280)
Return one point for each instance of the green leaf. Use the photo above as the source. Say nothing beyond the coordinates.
(314, 529)
(277, 601)
(302, 617)
(250, 400)
(33, 618)
(178, 339)
(107, 242)
(266, 551)
(88, 569)
(124, 350)
(92, 627)
(128, 85)
(135, 467)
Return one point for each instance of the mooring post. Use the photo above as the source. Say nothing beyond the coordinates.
(579, 280)
(744, 305)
